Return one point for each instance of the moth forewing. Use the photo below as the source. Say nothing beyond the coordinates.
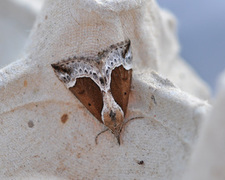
(120, 86)
(89, 95)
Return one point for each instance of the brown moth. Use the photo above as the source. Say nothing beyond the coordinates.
(101, 83)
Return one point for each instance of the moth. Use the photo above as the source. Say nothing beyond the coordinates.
(101, 83)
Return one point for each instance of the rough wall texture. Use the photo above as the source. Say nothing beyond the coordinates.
(208, 159)
(46, 132)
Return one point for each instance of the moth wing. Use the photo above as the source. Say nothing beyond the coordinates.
(84, 76)
(120, 86)
(89, 95)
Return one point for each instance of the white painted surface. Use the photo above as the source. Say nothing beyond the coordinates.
(35, 141)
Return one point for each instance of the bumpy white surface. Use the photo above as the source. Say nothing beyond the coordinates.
(46, 132)
(208, 158)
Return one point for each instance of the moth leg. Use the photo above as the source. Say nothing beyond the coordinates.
(96, 138)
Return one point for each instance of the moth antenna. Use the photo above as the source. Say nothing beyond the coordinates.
(131, 119)
(96, 138)
(118, 140)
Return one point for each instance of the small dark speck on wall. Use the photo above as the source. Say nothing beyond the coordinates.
(64, 118)
(30, 124)
(140, 162)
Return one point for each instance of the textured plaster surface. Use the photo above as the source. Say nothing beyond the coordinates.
(45, 132)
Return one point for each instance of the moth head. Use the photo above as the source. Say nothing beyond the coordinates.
(112, 115)
(114, 121)
(63, 73)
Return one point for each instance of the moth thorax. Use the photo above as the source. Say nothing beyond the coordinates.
(112, 114)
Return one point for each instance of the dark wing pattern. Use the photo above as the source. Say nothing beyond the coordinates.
(89, 95)
(120, 86)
